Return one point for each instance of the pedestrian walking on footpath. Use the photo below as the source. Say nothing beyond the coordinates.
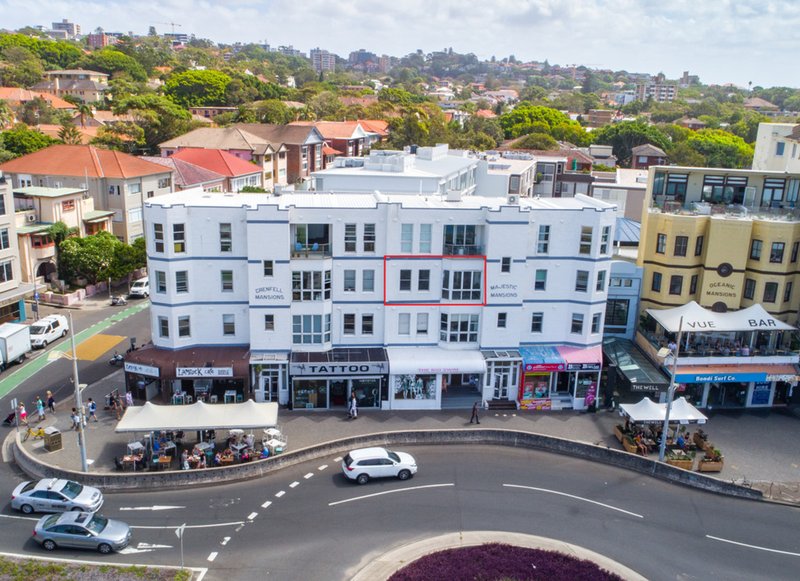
(92, 409)
(353, 408)
(76, 419)
(39, 408)
(22, 414)
(474, 417)
(51, 402)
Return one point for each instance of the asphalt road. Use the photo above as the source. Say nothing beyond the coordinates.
(307, 522)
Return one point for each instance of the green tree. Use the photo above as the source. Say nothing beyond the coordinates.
(683, 154)
(128, 258)
(39, 111)
(111, 61)
(722, 149)
(59, 232)
(273, 111)
(122, 136)
(159, 118)
(92, 257)
(22, 69)
(70, 134)
(197, 88)
(325, 105)
(527, 118)
(535, 141)
(21, 140)
(626, 135)
(85, 112)
(6, 115)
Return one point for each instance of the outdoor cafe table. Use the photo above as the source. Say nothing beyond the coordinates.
(237, 449)
(230, 395)
(204, 446)
(135, 448)
(130, 461)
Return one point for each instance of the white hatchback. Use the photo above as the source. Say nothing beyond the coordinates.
(365, 463)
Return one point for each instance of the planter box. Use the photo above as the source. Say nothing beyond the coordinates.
(629, 445)
(618, 432)
(710, 466)
(687, 464)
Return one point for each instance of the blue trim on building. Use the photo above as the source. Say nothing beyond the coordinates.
(272, 259)
(270, 306)
(578, 258)
(196, 258)
(550, 301)
(198, 303)
(268, 221)
(357, 302)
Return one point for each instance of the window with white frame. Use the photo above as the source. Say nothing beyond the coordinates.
(179, 238)
(369, 238)
(182, 281)
(350, 237)
(543, 242)
(458, 328)
(228, 325)
(462, 285)
(226, 279)
(582, 281)
(269, 267)
(134, 215)
(540, 280)
(404, 324)
(350, 282)
(158, 237)
(161, 282)
(502, 319)
(311, 329)
(577, 323)
(349, 326)
(184, 326)
(505, 264)
(585, 246)
(405, 280)
(311, 285)
(163, 327)
(422, 323)
(5, 242)
(225, 238)
(425, 238)
(597, 320)
(269, 322)
(424, 280)
(407, 238)
(537, 322)
(6, 271)
(368, 280)
(367, 324)
(605, 239)
(135, 188)
(601, 281)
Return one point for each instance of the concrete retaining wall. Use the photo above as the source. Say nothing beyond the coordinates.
(118, 481)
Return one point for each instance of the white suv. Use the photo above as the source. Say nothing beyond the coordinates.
(365, 463)
(140, 288)
(48, 329)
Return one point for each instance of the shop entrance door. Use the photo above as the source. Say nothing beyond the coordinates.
(338, 393)
(270, 383)
(504, 379)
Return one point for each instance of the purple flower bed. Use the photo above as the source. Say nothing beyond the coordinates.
(495, 562)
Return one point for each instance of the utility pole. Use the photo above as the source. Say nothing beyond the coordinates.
(78, 399)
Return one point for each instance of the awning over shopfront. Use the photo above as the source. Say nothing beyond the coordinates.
(640, 374)
(429, 360)
(699, 319)
(198, 416)
(194, 362)
(550, 358)
(268, 357)
(342, 361)
(735, 373)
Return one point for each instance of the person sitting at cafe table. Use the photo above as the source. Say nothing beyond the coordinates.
(201, 463)
(244, 456)
(640, 445)
(264, 453)
(185, 460)
(217, 459)
(196, 451)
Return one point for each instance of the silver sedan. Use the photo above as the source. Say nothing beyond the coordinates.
(81, 530)
(55, 495)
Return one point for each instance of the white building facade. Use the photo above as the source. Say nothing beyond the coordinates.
(406, 301)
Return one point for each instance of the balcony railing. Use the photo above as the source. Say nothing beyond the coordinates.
(463, 249)
(314, 250)
(731, 210)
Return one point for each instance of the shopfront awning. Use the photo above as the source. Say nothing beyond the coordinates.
(639, 372)
(428, 360)
(267, 357)
(582, 358)
(340, 361)
(699, 319)
(550, 358)
(734, 373)
(199, 416)
(194, 362)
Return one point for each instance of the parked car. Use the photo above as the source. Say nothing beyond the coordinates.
(55, 495)
(140, 288)
(365, 463)
(82, 530)
(48, 329)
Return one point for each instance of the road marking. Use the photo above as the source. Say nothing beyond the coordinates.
(389, 492)
(294, 484)
(222, 524)
(323, 467)
(575, 497)
(309, 475)
(337, 459)
(19, 517)
(252, 515)
(754, 546)
(149, 546)
(225, 541)
(213, 556)
(281, 493)
(156, 507)
(132, 551)
(266, 504)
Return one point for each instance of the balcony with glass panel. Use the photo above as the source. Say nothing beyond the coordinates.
(311, 241)
(463, 240)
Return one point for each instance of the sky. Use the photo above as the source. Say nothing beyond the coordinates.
(722, 41)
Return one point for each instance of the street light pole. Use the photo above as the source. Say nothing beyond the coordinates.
(670, 393)
(78, 399)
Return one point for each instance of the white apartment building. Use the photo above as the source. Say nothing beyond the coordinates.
(777, 147)
(410, 302)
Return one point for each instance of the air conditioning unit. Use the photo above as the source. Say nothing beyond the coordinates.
(31, 217)
(513, 199)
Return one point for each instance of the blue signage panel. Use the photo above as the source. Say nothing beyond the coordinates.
(761, 392)
(719, 377)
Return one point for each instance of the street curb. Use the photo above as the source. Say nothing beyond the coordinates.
(112, 481)
(382, 567)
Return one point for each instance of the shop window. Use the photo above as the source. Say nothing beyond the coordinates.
(367, 324)
(424, 280)
(543, 241)
(415, 387)
(182, 281)
(770, 292)
(179, 238)
(755, 250)
(184, 326)
(349, 327)
(225, 238)
(269, 322)
(776, 253)
(540, 280)
(228, 325)
(749, 289)
(661, 244)
(585, 246)
(422, 323)
(163, 327)
(226, 279)
(158, 237)
(269, 267)
(349, 281)
(582, 281)
(681, 245)
(368, 281)
(458, 328)
(577, 324)
(537, 322)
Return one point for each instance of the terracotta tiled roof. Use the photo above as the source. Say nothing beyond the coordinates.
(377, 126)
(186, 174)
(364, 100)
(485, 113)
(758, 103)
(328, 150)
(332, 129)
(649, 150)
(17, 95)
(87, 133)
(82, 160)
(218, 161)
(221, 138)
(276, 134)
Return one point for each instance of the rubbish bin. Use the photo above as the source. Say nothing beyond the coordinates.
(52, 439)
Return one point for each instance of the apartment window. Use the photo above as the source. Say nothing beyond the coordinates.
(269, 267)
(505, 264)
(350, 238)
(537, 322)
(350, 282)
(601, 281)
(161, 282)
(269, 322)
(68, 206)
(605, 239)
(225, 238)
(461, 285)
(311, 329)
(617, 315)
(134, 215)
(795, 248)
(661, 244)
(407, 238)
(367, 324)
(179, 237)
(596, 319)
(787, 292)
(405, 280)
(404, 324)
(182, 281)
(228, 325)
(368, 281)
(779, 148)
(458, 328)
(698, 245)
(577, 324)
(6, 271)
(164, 183)
(369, 237)
(770, 292)
(349, 324)
(2, 206)
(543, 242)
(158, 237)
(582, 281)
(656, 286)
(5, 243)
(585, 246)
(776, 254)
(226, 277)
(681, 245)
(135, 188)
(755, 250)
(163, 327)
(424, 280)
(675, 284)
(772, 193)
(501, 320)
(425, 238)
(311, 285)
(422, 323)
(749, 288)
(540, 280)
(693, 284)
(184, 326)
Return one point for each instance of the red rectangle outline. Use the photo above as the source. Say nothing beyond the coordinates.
(436, 257)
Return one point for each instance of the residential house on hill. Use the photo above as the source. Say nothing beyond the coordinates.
(15, 97)
(116, 181)
(88, 86)
(303, 147)
(643, 156)
(347, 137)
(691, 123)
(237, 172)
(760, 105)
(188, 175)
(377, 131)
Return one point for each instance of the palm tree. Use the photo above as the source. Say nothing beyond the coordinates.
(85, 111)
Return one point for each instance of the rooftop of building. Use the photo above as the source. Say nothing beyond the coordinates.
(187, 174)
(43, 192)
(436, 161)
(218, 161)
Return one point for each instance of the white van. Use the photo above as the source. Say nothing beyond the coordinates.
(140, 288)
(48, 329)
